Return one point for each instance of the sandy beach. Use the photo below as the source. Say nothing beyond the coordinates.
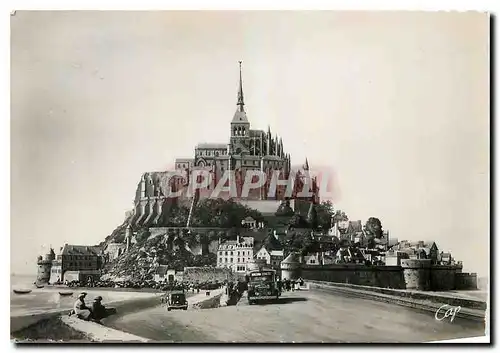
(47, 298)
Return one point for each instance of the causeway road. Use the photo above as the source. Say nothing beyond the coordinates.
(302, 316)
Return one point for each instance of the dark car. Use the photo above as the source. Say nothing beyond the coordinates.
(177, 300)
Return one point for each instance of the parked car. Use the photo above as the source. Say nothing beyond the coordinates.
(177, 300)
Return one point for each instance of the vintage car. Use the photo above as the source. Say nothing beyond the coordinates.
(176, 300)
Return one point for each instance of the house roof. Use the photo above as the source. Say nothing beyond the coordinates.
(293, 258)
(161, 270)
(430, 244)
(263, 248)
(184, 160)
(81, 250)
(211, 145)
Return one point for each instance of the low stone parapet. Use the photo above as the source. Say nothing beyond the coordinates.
(470, 309)
(99, 333)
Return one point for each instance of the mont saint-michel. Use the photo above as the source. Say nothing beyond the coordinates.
(262, 228)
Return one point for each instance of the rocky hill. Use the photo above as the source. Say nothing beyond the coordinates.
(176, 246)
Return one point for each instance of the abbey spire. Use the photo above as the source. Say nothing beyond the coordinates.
(241, 102)
(240, 120)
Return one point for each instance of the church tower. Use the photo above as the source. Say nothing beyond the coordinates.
(240, 126)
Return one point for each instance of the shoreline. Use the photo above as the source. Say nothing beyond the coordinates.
(48, 301)
(62, 328)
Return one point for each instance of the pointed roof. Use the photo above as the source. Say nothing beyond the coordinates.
(293, 258)
(241, 102)
(306, 165)
(240, 116)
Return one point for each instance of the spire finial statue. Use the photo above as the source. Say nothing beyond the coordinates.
(240, 103)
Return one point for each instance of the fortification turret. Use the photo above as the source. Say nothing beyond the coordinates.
(45, 266)
(291, 267)
(128, 237)
(417, 273)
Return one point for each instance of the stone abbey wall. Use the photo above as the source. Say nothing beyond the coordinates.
(412, 274)
(442, 278)
(206, 274)
(466, 281)
(375, 276)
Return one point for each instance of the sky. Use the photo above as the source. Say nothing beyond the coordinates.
(396, 103)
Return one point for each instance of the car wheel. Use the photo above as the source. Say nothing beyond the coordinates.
(168, 309)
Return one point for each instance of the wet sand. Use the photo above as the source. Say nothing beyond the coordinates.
(44, 299)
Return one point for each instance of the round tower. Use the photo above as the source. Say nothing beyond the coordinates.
(44, 267)
(416, 273)
(291, 267)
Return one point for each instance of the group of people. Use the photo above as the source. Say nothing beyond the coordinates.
(94, 313)
(288, 285)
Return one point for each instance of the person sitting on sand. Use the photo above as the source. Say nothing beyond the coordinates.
(82, 311)
(98, 310)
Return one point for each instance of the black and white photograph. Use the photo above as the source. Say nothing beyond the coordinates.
(249, 176)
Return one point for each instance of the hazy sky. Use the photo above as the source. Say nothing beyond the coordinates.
(396, 103)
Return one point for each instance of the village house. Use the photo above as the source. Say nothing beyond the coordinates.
(165, 274)
(235, 254)
(77, 263)
(312, 259)
(271, 257)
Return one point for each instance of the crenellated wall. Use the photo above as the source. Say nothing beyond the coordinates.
(442, 278)
(466, 281)
(415, 274)
(376, 276)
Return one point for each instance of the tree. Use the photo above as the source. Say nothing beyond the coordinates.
(271, 243)
(178, 216)
(373, 231)
(284, 210)
(309, 245)
(373, 227)
(142, 235)
(222, 213)
(325, 213)
(340, 216)
(297, 221)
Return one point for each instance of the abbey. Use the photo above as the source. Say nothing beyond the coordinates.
(246, 149)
